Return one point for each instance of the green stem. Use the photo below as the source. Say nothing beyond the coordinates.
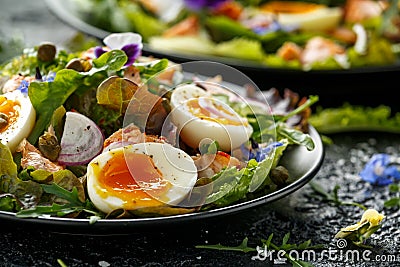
(310, 101)
(354, 204)
(290, 258)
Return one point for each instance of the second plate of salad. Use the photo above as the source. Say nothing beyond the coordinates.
(352, 35)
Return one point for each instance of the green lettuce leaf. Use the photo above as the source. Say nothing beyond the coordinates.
(46, 97)
(222, 28)
(232, 185)
(241, 48)
(355, 118)
(115, 93)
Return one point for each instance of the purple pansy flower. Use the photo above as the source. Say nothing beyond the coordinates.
(200, 4)
(130, 43)
(380, 171)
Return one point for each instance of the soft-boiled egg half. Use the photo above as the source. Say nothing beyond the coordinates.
(17, 118)
(306, 16)
(138, 176)
(200, 116)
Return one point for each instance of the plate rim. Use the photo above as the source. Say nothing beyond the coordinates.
(60, 9)
(126, 226)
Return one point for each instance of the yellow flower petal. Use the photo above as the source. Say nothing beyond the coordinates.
(372, 216)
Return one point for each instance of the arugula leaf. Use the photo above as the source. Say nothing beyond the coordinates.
(58, 210)
(74, 204)
(71, 196)
(310, 101)
(243, 247)
(395, 201)
(268, 244)
(333, 196)
(285, 246)
(152, 68)
(295, 136)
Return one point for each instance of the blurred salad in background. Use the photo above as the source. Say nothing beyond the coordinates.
(304, 35)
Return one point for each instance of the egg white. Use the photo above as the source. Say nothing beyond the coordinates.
(23, 126)
(320, 19)
(193, 130)
(177, 167)
(316, 18)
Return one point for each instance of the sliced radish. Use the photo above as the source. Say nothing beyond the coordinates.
(82, 140)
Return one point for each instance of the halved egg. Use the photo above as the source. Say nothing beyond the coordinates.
(140, 176)
(306, 16)
(200, 116)
(17, 118)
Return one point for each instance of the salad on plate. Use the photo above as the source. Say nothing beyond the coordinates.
(302, 35)
(108, 133)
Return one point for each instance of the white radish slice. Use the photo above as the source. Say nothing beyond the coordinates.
(82, 140)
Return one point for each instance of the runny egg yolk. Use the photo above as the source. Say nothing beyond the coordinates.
(290, 7)
(9, 108)
(216, 114)
(134, 179)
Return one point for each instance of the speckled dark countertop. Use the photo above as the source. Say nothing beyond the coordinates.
(300, 214)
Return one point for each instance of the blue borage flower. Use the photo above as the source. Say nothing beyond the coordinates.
(257, 151)
(380, 170)
(201, 4)
(49, 77)
(24, 85)
(129, 42)
(273, 27)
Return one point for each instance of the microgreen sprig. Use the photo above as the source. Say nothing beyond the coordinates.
(395, 201)
(333, 196)
(74, 204)
(268, 244)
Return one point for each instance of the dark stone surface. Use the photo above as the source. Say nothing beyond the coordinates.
(300, 214)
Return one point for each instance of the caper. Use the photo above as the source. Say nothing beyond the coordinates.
(74, 64)
(78, 65)
(3, 120)
(46, 52)
(49, 146)
(86, 65)
(279, 175)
